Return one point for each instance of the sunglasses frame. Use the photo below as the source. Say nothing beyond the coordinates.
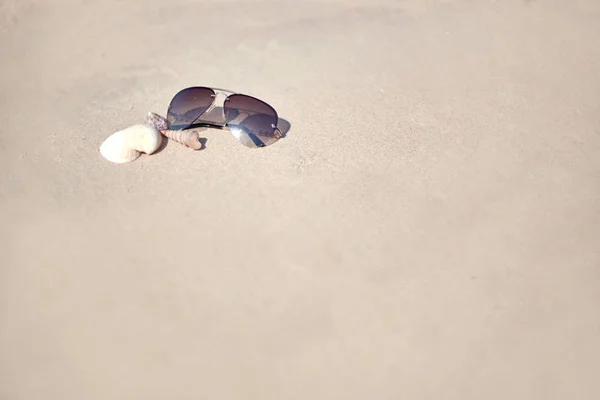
(227, 93)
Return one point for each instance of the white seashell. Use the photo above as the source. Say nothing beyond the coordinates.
(128, 144)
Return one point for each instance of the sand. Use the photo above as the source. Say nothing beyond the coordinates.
(429, 228)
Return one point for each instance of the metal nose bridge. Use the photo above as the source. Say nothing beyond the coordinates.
(214, 103)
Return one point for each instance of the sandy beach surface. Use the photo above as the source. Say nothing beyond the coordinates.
(429, 228)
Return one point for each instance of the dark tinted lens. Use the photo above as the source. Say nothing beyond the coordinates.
(188, 105)
(251, 121)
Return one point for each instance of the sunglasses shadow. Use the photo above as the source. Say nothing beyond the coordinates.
(215, 118)
(284, 126)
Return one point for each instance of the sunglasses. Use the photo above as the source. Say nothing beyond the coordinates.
(251, 121)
